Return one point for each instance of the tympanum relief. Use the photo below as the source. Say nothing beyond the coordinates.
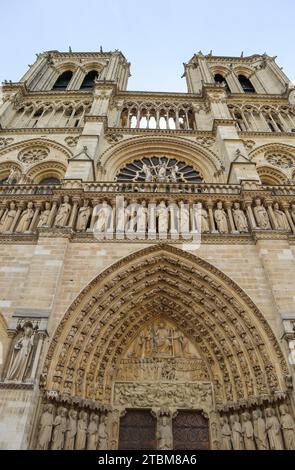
(161, 352)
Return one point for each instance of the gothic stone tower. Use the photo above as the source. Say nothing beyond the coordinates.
(147, 257)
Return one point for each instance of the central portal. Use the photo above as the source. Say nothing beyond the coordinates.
(162, 390)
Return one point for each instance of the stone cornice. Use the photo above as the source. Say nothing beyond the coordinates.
(43, 130)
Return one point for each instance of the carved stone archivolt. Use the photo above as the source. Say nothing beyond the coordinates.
(231, 335)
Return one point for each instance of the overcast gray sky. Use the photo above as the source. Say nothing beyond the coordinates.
(156, 36)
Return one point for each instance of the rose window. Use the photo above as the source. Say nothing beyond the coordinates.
(33, 155)
(281, 160)
(160, 170)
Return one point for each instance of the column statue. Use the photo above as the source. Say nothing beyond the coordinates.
(83, 217)
(71, 430)
(280, 217)
(63, 213)
(236, 432)
(25, 219)
(240, 218)
(225, 433)
(261, 215)
(220, 218)
(8, 218)
(81, 431)
(164, 433)
(92, 430)
(45, 427)
(248, 432)
(59, 429)
(43, 220)
(260, 431)
(288, 427)
(273, 429)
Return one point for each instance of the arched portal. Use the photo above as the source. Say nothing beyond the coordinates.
(163, 330)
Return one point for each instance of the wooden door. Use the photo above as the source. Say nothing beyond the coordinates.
(137, 431)
(190, 431)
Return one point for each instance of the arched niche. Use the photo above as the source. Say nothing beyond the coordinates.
(122, 153)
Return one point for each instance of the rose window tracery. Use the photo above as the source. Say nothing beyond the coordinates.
(280, 160)
(33, 155)
(160, 170)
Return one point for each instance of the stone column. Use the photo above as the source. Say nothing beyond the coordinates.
(152, 224)
(285, 207)
(73, 216)
(271, 214)
(252, 221)
(38, 206)
(228, 206)
(20, 208)
(53, 211)
(211, 217)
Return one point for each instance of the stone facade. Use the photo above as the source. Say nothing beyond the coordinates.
(147, 256)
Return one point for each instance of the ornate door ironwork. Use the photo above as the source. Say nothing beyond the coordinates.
(137, 431)
(190, 431)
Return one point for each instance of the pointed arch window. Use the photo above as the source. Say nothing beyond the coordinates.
(246, 84)
(220, 79)
(89, 80)
(63, 81)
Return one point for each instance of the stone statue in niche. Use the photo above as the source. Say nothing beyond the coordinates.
(45, 427)
(164, 433)
(81, 431)
(92, 432)
(8, 218)
(220, 218)
(293, 212)
(103, 215)
(273, 429)
(71, 430)
(236, 430)
(59, 429)
(204, 221)
(25, 219)
(22, 354)
(44, 217)
(261, 215)
(102, 433)
(184, 218)
(225, 433)
(239, 218)
(63, 213)
(248, 432)
(83, 217)
(288, 427)
(260, 431)
(141, 217)
(163, 217)
(280, 217)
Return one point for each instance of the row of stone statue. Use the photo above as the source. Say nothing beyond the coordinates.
(145, 218)
(259, 431)
(64, 429)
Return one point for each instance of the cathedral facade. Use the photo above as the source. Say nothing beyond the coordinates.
(147, 257)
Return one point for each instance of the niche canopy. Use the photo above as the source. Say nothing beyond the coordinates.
(160, 170)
